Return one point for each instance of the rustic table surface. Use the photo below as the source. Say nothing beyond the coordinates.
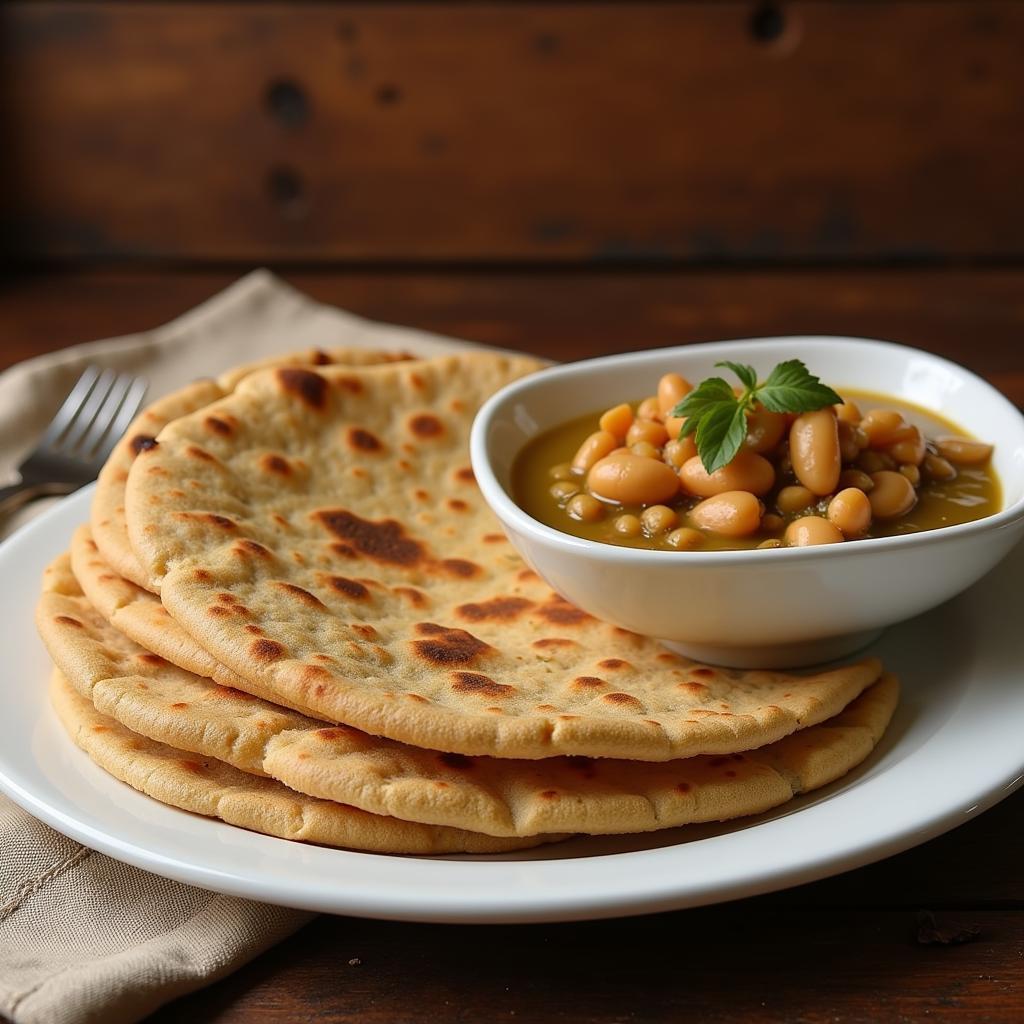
(935, 934)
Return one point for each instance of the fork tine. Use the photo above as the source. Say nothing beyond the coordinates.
(65, 415)
(105, 415)
(71, 441)
(127, 413)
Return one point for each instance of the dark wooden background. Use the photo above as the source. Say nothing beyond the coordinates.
(570, 178)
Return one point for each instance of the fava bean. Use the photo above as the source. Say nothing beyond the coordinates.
(909, 449)
(563, 490)
(856, 478)
(649, 409)
(730, 514)
(772, 523)
(685, 539)
(748, 471)
(794, 499)
(673, 424)
(849, 449)
(962, 451)
(912, 473)
(892, 496)
(647, 430)
(658, 519)
(937, 468)
(882, 426)
(850, 512)
(648, 451)
(628, 525)
(617, 421)
(874, 462)
(811, 530)
(585, 508)
(672, 389)
(772, 542)
(848, 413)
(563, 471)
(675, 453)
(765, 429)
(595, 447)
(814, 450)
(629, 479)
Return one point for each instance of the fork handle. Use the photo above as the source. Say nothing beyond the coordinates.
(17, 495)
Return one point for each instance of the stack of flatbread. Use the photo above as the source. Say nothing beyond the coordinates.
(293, 611)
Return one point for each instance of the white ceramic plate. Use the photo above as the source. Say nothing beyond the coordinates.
(952, 751)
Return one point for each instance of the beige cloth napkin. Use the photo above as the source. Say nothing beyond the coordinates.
(84, 937)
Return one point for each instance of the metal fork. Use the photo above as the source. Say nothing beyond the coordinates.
(80, 436)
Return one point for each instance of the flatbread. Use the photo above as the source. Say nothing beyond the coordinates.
(140, 616)
(333, 549)
(107, 515)
(206, 786)
(498, 797)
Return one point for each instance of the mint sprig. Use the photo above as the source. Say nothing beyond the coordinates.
(718, 418)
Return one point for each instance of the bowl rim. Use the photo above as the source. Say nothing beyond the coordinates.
(506, 509)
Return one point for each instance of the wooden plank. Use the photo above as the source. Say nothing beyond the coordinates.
(975, 317)
(513, 131)
(726, 964)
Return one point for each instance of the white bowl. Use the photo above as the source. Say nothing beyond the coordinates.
(760, 608)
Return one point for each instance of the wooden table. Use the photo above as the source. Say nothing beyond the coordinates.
(936, 934)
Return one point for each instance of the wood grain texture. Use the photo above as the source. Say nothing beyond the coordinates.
(975, 317)
(558, 131)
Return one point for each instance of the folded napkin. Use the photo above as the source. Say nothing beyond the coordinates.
(84, 937)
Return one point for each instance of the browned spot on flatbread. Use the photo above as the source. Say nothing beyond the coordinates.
(553, 641)
(549, 794)
(623, 700)
(559, 612)
(415, 597)
(459, 762)
(364, 440)
(697, 689)
(264, 649)
(466, 475)
(457, 504)
(683, 787)
(706, 672)
(312, 673)
(495, 538)
(484, 686)
(613, 664)
(444, 646)
(142, 443)
(246, 547)
(251, 627)
(193, 451)
(195, 767)
(589, 682)
(276, 464)
(353, 385)
(669, 658)
(348, 588)
(497, 609)
(309, 387)
(417, 697)
(460, 567)
(150, 659)
(300, 593)
(365, 630)
(67, 620)
(101, 728)
(219, 611)
(202, 575)
(321, 358)
(218, 426)
(228, 598)
(383, 540)
(178, 705)
(426, 425)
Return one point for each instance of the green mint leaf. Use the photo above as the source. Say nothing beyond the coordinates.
(746, 374)
(720, 433)
(706, 396)
(791, 387)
